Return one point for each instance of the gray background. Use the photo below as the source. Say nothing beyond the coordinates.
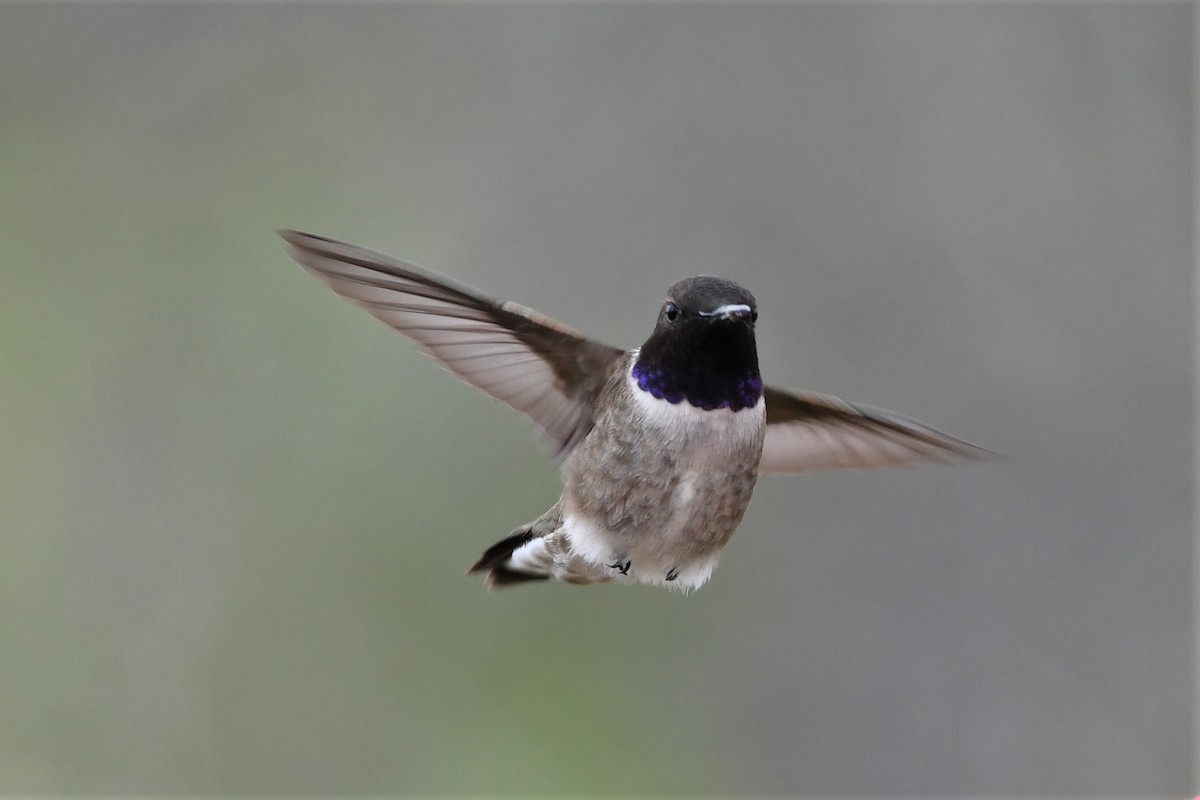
(235, 511)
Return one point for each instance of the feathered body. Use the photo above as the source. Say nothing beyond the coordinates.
(651, 495)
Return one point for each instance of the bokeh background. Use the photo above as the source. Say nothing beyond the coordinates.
(235, 511)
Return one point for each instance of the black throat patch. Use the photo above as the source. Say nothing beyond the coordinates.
(708, 391)
(710, 366)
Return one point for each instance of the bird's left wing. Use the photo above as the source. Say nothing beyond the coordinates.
(807, 432)
(534, 364)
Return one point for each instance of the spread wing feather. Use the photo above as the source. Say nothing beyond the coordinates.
(534, 364)
(554, 374)
(808, 432)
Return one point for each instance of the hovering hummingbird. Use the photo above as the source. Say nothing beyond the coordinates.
(660, 446)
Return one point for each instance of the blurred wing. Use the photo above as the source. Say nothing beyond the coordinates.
(808, 432)
(536, 365)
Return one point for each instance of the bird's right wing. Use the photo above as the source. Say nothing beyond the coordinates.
(534, 364)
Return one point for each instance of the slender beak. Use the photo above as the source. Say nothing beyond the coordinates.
(728, 311)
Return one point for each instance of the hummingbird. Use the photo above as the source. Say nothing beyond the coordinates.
(659, 446)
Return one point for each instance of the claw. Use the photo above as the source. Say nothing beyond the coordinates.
(621, 568)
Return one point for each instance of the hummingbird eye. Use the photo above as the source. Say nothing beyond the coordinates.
(754, 315)
(671, 311)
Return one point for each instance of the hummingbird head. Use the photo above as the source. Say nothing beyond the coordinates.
(702, 349)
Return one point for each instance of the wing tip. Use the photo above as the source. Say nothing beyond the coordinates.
(943, 448)
(302, 247)
(297, 238)
(902, 441)
(973, 452)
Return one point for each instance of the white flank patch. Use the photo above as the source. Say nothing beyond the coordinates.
(586, 540)
(531, 557)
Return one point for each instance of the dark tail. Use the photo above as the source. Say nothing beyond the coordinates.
(495, 561)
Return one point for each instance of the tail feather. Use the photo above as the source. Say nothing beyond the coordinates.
(500, 578)
(497, 561)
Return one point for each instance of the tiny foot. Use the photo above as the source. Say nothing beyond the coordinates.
(621, 568)
(673, 574)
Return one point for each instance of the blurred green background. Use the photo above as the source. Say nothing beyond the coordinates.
(235, 511)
